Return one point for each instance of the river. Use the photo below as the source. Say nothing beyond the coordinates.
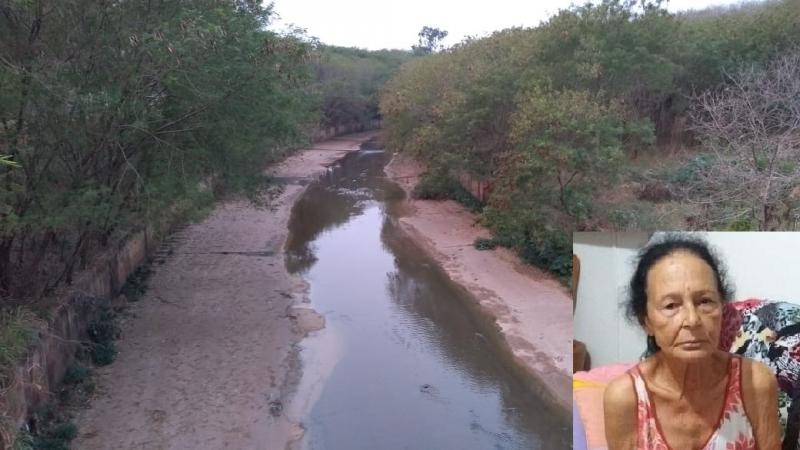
(401, 362)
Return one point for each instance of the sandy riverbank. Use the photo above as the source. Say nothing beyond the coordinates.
(206, 357)
(532, 310)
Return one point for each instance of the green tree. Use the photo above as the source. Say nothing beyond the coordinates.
(430, 40)
(348, 82)
(116, 110)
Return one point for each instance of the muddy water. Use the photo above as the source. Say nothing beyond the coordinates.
(400, 363)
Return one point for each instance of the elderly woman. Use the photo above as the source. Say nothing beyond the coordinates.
(688, 394)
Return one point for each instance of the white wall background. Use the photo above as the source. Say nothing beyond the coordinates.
(760, 265)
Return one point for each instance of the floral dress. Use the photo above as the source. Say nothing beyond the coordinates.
(733, 431)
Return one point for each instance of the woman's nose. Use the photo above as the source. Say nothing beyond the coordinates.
(691, 318)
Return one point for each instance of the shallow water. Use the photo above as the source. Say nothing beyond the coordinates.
(401, 363)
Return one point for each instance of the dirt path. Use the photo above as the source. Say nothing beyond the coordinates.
(205, 358)
(533, 311)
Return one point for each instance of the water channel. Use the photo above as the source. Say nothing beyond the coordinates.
(401, 364)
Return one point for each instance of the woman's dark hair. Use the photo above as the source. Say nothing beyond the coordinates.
(636, 304)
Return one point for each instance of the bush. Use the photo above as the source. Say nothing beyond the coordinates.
(75, 374)
(102, 333)
(692, 170)
(136, 284)
(49, 430)
(485, 244)
(520, 230)
(436, 185)
(742, 224)
(549, 250)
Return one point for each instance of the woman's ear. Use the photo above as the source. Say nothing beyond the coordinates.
(648, 329)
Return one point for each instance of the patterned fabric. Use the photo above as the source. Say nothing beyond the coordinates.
(769, 332)
(733, 431)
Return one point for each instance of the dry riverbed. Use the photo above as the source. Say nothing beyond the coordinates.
(206, 357)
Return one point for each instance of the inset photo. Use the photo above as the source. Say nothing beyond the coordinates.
(686, 340)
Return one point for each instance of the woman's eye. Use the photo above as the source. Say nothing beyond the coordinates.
(706, 300)
(670, 306)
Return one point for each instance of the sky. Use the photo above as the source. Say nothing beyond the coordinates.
(375, 24)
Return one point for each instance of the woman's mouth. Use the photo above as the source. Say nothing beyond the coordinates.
(692, 344)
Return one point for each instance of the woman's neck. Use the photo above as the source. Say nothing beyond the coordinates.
(686, 378)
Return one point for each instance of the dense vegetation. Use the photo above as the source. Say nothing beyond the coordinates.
(556, 117)
(349, 80)
(111, 113)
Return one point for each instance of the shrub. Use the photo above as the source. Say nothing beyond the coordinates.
(485, 244)
(102, 333)
(136, 284)
(438, 185)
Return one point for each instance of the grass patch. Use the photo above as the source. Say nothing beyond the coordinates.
(18, 331)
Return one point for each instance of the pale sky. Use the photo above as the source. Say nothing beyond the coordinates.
(375, 24)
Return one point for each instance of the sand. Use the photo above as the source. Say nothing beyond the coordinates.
(532, 310)
(207, 357)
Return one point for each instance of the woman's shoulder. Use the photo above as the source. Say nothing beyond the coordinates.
(620, 393)
(620, 413)
(756, 376)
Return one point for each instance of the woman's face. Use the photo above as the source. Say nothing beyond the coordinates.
(684, 308)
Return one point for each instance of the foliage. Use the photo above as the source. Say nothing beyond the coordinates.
(693, 170)
(536, 241)
(567, 143)
(485, 244)
(430, 40)
(549, 114)
(348, 82)
(51, 430)
(24, 441)
(439, 184)
(5, 160)
(116, 111)
(102, 333)
(18, 331)
(136, 284)
(75, 374)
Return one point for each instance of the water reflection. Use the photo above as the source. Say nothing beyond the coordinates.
(415, 371)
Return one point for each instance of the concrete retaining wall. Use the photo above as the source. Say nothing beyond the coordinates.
(37, 376)
(478, 187)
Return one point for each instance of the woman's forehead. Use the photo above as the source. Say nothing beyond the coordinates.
(681, 269)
